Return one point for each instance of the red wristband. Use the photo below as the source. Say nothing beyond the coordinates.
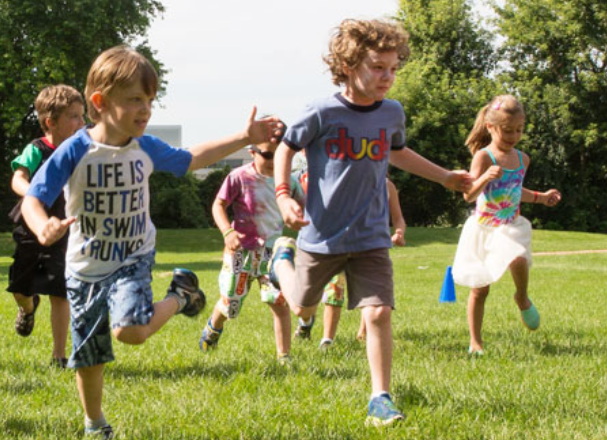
(535, 195)
(284, 191)
(283, 186)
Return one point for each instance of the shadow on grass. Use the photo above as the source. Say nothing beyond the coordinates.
(447, 340)
(21, 387)
(16, 428)
(409, 395)
(195, 266)
(221, 371)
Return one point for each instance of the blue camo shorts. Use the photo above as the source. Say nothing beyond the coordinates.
(125, 297)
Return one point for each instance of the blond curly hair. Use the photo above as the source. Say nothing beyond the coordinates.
(353, 39)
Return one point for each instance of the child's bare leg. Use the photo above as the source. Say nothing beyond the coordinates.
(137, 334)
(520, 275)
(362, 330)
(90, 388)
(285, 272)
(60, 320)
(379, 345)
(25, 302)
(331, 320)
(282, 328)
(217, 318)
(476, 312)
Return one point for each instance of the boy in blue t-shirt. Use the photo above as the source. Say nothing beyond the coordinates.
(349, 139)
(39, 270)
(104, 171)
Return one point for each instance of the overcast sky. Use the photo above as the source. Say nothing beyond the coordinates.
(226, 56)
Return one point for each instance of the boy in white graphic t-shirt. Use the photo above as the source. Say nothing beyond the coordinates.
(104, 171)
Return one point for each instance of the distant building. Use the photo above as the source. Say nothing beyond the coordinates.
(171, 134)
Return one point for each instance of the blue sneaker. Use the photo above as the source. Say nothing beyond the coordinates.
(382, 412)
(105, 432)
(184, 288)
(284, 249)
(304, 331)
(210, 337)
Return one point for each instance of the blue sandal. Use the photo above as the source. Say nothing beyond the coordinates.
(531, 317)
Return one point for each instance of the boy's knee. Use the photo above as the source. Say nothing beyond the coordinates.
(130, 335)
(377, 315)
(303, 312)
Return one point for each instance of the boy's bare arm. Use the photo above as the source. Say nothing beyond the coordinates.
(291, 211)
(231, 238)
(396, 215)
(255, 132)
(408, 160)
(47, 230)
(20, 182)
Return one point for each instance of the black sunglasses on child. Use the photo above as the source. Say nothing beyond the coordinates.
(265, 154)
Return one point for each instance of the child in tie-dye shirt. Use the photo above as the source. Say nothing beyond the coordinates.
(496, 237)
(248, 239)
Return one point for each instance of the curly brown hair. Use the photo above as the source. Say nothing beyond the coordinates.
(353, 39)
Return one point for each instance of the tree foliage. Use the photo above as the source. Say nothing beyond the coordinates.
(556, 52)
(550, 53)
(50, 42)
(440, 87)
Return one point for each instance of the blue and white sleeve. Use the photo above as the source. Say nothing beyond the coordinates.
(50, 179)
(166, 157)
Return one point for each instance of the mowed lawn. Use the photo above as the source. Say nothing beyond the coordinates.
(550, 384)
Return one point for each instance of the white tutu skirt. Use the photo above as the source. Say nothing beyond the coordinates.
(484, 253)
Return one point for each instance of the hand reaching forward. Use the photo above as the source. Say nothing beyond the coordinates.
(292, 214)
(53, 230)
(268, 129)
(458, 181)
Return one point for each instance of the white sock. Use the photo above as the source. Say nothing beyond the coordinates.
(308, 322)
(323, 340)
(99, 423)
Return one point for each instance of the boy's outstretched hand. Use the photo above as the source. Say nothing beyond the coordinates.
(268, 129)
(53, 230)
(458, 181)
(291, 211)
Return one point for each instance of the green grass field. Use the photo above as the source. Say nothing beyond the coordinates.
(550, 384)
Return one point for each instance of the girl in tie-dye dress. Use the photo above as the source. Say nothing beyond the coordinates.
(496, 237)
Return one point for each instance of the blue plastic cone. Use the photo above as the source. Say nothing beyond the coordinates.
(447, 293)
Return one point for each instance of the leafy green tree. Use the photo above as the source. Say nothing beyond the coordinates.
(50, 42)
(441, 87)
(174, 202)
(556, 50)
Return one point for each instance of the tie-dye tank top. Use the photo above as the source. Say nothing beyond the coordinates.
(500, 202)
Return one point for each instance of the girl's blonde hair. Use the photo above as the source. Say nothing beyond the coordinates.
(497, 112)
(53, 100)
(352, 40)
(120, 66)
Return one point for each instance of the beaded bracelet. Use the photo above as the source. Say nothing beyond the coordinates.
(228, 232)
